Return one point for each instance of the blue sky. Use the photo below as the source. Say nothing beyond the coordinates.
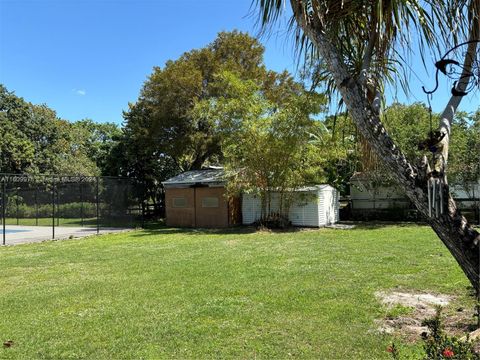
(89, 58)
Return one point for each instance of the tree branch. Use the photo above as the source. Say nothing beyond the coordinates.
(367, 57)
(446, 119)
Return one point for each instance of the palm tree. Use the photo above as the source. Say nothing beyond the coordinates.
(363, 45)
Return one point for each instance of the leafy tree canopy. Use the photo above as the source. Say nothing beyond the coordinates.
(269, 139)
(165, 133)
(35, 140)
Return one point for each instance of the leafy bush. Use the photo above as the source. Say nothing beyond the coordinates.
(274, 221)
(439, 346)
(69, 210)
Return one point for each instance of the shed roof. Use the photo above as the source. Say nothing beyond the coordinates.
(315, 188)
(193, 177)
(216, 176)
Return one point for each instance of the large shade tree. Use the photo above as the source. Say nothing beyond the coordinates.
(161, 137)
(362, 45)
(160, 122)
(269, 139)
(33, 139)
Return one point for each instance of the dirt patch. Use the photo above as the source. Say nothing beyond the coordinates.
(341, 226)
(407, 310)
(424, 303)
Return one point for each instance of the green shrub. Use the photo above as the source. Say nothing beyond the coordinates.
(439, 346)
(69, 210)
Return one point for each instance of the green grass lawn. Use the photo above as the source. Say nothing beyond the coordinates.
(204, 294)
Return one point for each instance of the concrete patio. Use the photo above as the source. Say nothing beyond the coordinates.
(18, 234)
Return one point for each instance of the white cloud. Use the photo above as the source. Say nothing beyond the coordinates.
(80, 92)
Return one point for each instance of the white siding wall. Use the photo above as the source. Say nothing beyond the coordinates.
(392, 198)
(332, 206)
(321, 207)
(379, 198)
(472, 191)
(251, 209)
(317, 207)
(305, 212)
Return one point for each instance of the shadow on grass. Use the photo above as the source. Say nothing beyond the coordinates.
(163, 230)
(372, 225)
(159, 228)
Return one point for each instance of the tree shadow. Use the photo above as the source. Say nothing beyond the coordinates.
(164, 230)
(372, 225)
(161, 229)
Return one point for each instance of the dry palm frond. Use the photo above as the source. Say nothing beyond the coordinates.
(368, 159)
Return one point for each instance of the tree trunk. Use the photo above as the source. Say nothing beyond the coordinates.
(451, 227)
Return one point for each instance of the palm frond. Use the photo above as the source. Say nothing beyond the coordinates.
(373, 36)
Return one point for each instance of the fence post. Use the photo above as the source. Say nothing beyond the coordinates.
(98, 210)
(58, 213)
(36, 203)
(53, 207)
(81, 204)
(4, 202)
(16, 204)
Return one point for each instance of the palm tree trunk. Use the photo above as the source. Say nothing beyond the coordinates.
(451, 227)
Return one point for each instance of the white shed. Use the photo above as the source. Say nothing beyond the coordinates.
(316, 206)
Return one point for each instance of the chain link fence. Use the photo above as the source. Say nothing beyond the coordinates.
(67, 204)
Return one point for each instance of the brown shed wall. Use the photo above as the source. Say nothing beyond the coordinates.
(196, 212)
(180, 217)
(212, 217)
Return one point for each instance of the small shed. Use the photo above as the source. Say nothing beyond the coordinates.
(377, 201)
(198, 198)
(315, 206)
(386, 201)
